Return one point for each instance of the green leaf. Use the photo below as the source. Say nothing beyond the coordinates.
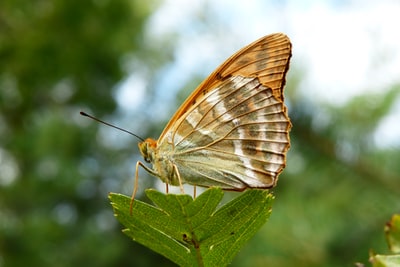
(194, 232)
(385, 261)
(392, 232)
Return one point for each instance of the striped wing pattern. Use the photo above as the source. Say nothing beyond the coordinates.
(267, 59)
(236, 137)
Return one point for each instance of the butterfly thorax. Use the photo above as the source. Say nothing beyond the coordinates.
(160, 159)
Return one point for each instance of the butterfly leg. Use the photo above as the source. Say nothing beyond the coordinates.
(179, 178)
(135, 186)
(194, 192)
(136, 183)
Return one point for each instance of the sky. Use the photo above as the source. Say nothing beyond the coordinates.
(345, 48)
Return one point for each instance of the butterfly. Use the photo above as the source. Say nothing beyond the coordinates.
(233, 130)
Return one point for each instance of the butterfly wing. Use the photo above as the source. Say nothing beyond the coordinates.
(267, 59)
(232, 131)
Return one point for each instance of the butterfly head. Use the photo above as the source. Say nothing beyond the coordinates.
(147, 149)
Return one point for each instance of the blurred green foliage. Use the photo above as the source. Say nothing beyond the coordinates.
(56, 58)
(60, 57)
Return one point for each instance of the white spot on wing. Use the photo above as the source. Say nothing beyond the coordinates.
(238, 83)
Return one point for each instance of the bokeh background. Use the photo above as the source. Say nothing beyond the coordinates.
(133, 62)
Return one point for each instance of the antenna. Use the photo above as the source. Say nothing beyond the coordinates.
(108, 124)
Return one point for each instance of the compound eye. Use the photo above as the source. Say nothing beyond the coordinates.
(147, 159)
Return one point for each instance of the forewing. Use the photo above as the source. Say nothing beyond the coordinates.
(267, 59)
